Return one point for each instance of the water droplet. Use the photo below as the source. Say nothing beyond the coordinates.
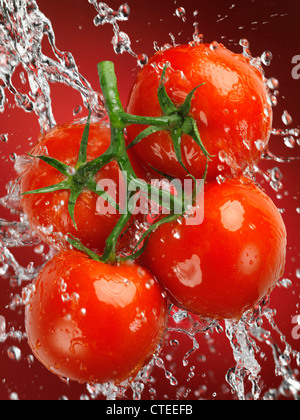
(286, 283)
(273, 100)
(276, 174)
(4, 138)
(286, 118)
(214, 45)
(2, 329)
(71, 171)
(121, 43)
(14, 396)
(181, 13)
(273, 83)
(39, 249)
(198, 37)
(14, 353)
(246, 45)
(266, 58)
(142, 60)
(77, 110)
(13, 157)
(290, 142)
(124, 12)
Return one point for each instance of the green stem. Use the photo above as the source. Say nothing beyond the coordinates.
(119, 119)
(109, 254)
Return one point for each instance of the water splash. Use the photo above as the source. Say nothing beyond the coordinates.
(120, 41)
(22, 29)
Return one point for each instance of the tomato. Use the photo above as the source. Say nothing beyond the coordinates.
(231, 109)
(93, 322)
(226, 265)
(48, 213)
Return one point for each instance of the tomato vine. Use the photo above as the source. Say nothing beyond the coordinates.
(176, 120)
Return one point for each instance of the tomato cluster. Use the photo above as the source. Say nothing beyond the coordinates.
(97, 315)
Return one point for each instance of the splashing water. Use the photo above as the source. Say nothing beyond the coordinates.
(120, 41)
(22, 29)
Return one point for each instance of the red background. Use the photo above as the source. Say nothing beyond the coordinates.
(268, 25)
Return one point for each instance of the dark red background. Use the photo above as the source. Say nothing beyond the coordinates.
(268, 25)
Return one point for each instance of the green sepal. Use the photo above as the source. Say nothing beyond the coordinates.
(84, 143)
(75, 242)
(57, 164)
(64, 185)
(185, 108)
(176, 138)
(190, 128)
(147, 132)
(165, 101)
(166, 176)
(75, 192)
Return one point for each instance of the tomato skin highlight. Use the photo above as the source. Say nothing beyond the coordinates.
(232, 110)
(48, 214)
(226, 265)
(93, 322)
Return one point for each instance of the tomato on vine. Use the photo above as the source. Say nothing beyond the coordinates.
(230, 106)
(227, 264)
(94, 322)
(53, 212)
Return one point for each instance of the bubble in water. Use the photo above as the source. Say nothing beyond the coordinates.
(286, 283)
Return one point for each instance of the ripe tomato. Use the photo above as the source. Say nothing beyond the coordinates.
(48, 214)
(231, 109)
(226, 265)
(93, 322)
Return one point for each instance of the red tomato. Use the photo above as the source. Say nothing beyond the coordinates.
(226, 265)
(231, 109)
(48, 214)
(93, 322)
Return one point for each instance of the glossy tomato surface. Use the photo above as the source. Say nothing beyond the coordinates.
(93, 322)
(232, 110)
(227, 264)
(48, 214)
